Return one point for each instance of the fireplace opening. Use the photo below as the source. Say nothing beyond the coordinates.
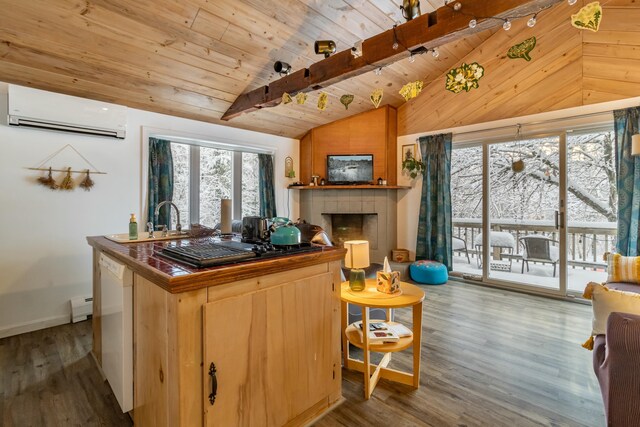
(346, 227)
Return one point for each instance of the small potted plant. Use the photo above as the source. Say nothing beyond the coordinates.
(413, 167)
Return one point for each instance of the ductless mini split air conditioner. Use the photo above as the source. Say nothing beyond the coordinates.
(51, 111)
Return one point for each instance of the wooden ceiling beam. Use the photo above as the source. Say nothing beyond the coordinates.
(428, 31)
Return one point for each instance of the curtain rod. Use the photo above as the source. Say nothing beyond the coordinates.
(219, 143)
(540, 122)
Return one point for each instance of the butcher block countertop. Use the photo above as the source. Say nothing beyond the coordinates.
(176, 277)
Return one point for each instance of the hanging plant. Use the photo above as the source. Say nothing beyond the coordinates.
(413, 167)
(518, 166)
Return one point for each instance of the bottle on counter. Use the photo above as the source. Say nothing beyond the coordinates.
(133, 227)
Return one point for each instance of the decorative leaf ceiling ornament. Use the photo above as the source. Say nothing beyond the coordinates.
(411, 90)
(346, 100)
(301, 98)
(522, 50)
(588, 18)
(376, 97)
(323, 101)
(465, 77)
(286, 98)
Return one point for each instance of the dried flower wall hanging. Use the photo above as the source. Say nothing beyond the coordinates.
(346, 100)
(411, 90)
(376, 97)
(301, 98)
(87, 182)
(465, 77)
(286, 98)
(67, 182)
(323, 101)
(48, 181)
(588, 18)
(522, 50)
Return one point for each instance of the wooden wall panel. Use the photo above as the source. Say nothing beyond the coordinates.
(367, 133)
(569, 68)
(612, 55)
(509, 87)
(306, 148)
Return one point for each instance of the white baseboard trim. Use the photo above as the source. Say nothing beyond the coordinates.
(22, 328)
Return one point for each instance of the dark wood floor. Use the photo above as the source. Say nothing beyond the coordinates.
(489, 358)
(48, 378)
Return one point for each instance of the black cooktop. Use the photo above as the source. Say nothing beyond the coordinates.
(201, 255)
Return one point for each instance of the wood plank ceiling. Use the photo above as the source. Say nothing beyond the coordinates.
(192, 58)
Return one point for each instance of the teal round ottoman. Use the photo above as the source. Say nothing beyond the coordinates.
(429, 272)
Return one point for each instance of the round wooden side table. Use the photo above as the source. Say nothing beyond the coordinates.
(411, 296)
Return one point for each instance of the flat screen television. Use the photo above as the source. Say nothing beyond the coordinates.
(350, 169)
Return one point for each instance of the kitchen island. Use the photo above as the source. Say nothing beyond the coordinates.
(253, 343)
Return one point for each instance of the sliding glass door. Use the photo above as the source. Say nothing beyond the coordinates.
(591, 205)
(535, 212)
(524, 228)
(466, 202)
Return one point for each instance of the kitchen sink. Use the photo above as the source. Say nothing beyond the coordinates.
(144, 237)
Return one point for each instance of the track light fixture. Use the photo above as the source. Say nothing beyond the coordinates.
(282, 68)
(356, 50)
(395, 44)
(324, 47)
(410, 9)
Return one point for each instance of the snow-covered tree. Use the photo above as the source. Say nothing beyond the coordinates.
(532, 193)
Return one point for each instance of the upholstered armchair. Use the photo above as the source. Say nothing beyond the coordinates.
(616, 361)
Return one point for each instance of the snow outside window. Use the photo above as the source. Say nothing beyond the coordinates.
(203, 176)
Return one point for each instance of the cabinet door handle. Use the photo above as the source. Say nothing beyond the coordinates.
(214, 383)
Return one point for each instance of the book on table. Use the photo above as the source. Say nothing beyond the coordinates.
(383, 332)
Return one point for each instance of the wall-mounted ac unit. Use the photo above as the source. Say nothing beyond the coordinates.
(47, 110)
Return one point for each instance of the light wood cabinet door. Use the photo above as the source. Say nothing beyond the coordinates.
(271, 352)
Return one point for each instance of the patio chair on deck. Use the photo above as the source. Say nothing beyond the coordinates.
(539, 248)
(460, 245)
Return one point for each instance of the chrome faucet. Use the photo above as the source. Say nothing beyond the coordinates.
(178, 225)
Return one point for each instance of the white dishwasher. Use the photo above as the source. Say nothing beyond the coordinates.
(116, 296)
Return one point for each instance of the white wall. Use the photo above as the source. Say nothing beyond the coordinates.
(409, 200)
(44, 257)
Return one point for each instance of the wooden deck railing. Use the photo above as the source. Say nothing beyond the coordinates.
(587, 242)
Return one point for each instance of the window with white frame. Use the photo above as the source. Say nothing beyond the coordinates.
(204, 175)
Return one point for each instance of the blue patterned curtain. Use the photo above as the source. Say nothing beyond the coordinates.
(160, 180)
(627, 123)
(266, 187)
(435, 224)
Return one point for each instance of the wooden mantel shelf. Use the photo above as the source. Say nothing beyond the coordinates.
(349, 187)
